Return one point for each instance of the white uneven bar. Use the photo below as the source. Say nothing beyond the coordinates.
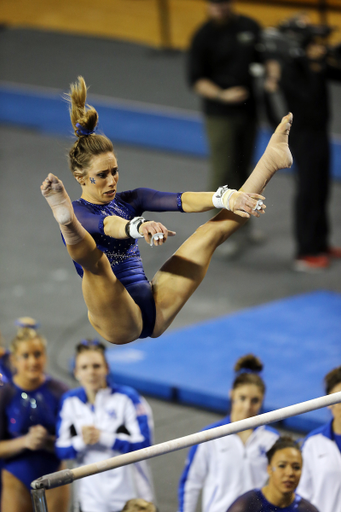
(67, 476)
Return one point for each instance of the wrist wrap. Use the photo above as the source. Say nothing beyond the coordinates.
(218, 196)
(132, 227)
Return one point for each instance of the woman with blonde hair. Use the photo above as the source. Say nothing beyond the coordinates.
(28, 411)
(101, 230)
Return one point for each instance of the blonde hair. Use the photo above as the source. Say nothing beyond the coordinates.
(139, 505)
(84, 119)
(27, 330)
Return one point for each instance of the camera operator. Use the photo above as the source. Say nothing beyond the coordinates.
(302, 72)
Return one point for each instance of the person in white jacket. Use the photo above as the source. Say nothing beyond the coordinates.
(98, 421)
(321, 476)
(227, 467)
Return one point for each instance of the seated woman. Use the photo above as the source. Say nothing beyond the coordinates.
(98, 421)
(28, 411)
(284, 470)
(101, 228)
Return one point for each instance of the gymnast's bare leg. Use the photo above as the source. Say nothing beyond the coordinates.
(110, 307)
(179, 277)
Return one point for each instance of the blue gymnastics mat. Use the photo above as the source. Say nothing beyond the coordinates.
(129, 123)
(297, 338)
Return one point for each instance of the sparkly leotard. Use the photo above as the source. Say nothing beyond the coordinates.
(255, 501)
(19, 410)
(124, 255)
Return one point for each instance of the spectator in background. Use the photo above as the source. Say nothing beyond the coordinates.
(227, 467)
(303, 78)
(5, 363)
(98, 421)
(139, 505)
(284, 470)
(219, 60)
(321, 476)
(6, 369)
(28, 411)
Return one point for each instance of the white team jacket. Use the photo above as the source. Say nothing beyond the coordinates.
(224, 469)
(125, 421)
(321, 475)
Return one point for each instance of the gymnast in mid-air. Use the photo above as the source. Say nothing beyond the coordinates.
(101, 229)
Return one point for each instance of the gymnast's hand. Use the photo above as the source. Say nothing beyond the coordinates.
(157, 230)
(90, 434)
(245, 205)
(36, 438)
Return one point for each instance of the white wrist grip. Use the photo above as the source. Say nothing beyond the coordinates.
(133, 226)
(222, 196)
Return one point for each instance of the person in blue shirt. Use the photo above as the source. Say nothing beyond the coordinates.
(284, 470)
(6, 369)
(28, 411)
(101, 228)
(321, 476)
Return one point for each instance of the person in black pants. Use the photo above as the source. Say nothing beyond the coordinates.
(304, 83)
(218, 70)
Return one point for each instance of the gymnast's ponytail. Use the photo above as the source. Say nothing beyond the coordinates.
(84, 120)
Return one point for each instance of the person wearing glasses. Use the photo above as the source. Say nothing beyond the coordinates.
(101, 229)
(100, 420)
(29, 404)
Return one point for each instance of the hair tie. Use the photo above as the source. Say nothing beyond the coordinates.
(248, 370)
(26, 322)
(84, 131)
(89, 343)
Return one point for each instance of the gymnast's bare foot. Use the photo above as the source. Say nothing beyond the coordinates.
(55, 194)
(277, 155)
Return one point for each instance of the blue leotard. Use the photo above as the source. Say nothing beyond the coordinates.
(5, 368)
(124, 255)
(21, 409)
(255, 501)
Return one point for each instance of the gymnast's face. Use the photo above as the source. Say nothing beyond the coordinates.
(285, 471)
(29, 361)
(336, 409)
(99, 186)
(246, 401)
(91, 370)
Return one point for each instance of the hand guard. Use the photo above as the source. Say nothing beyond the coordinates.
(132, 227)
(221, 198)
